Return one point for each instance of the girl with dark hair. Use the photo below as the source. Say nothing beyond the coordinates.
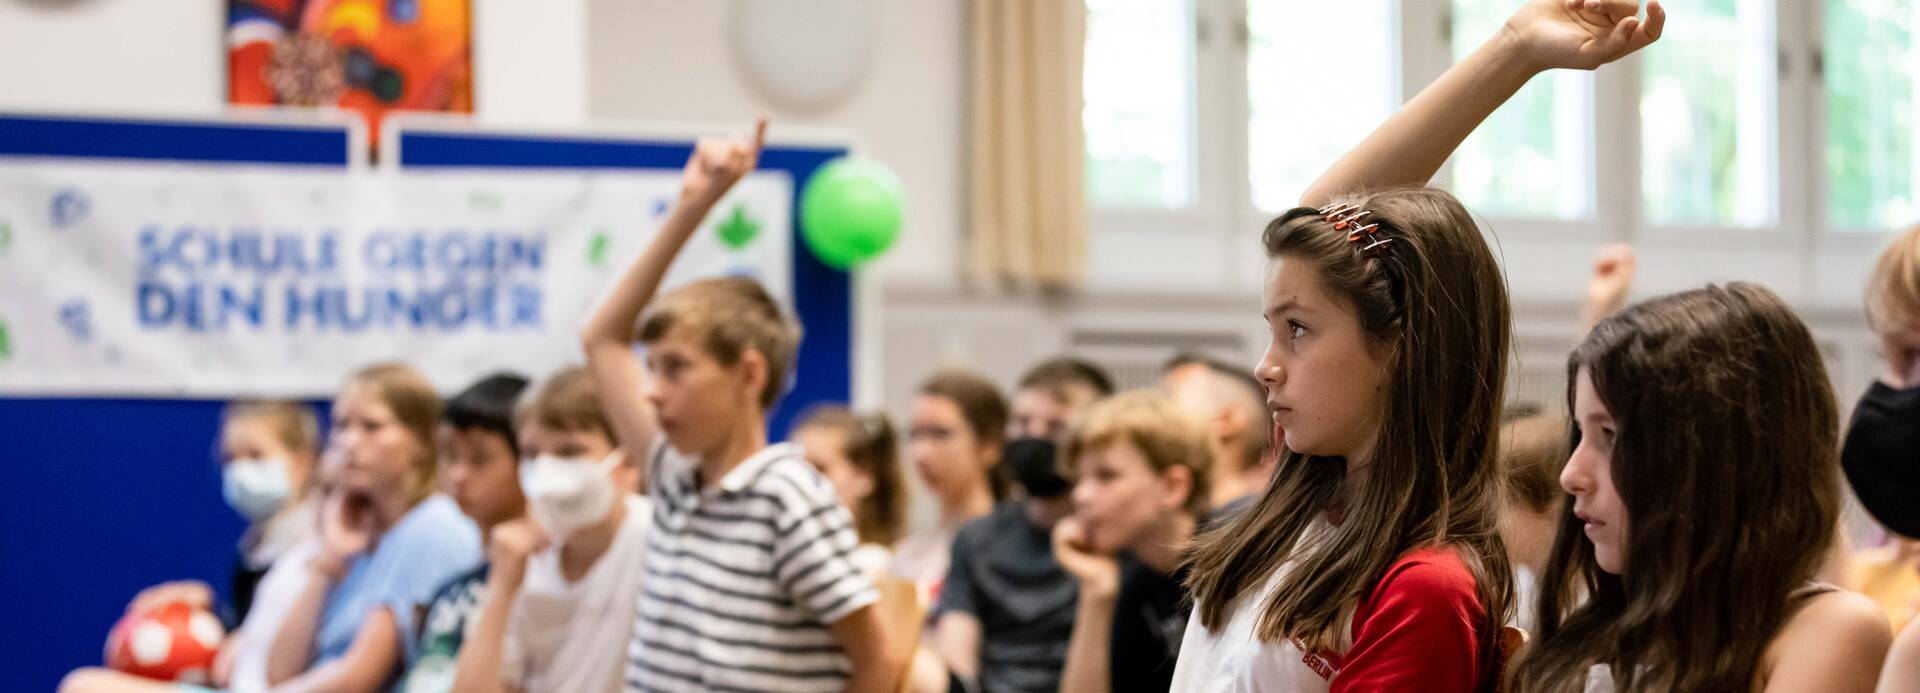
(1705, 488)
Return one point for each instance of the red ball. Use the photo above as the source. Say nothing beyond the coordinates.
(174, 642)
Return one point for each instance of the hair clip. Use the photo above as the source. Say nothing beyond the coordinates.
(1349, 218)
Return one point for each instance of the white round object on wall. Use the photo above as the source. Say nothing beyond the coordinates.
(807, 55)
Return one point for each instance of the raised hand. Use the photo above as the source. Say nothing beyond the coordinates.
(1613, 270)
(1582, 34)
(718, 163)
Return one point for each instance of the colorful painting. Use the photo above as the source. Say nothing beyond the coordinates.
(370, 56)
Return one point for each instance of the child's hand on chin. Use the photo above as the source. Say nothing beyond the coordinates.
(1099, 574)
(1582, 34)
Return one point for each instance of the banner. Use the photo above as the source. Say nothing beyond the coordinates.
(120, 279)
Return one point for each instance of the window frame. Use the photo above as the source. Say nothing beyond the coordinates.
(1801, 255)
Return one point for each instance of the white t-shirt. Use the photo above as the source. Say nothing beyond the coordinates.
(572, 636)
(873, 559)
(1234, 660)
(1526, 598)
(922, 558)
(265, 542)
(274, 597)
(1599, 679)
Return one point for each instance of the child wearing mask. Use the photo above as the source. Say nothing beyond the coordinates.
(560, 597)
(1883, 440)
(1005, 613)
(269, 474)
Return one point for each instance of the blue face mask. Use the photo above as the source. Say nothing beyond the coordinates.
(256, 488)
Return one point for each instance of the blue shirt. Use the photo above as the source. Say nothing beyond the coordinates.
(431, 545)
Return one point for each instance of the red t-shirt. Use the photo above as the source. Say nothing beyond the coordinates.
(1419, 630)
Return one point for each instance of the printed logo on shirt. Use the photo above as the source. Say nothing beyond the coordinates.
(1315, 661)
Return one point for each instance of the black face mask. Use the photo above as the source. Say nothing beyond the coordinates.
(1035, 465)
(1882, 456)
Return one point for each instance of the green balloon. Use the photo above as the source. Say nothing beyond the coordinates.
(850, 211)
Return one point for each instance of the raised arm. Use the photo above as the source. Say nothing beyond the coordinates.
(716, 165)
(1409, 148)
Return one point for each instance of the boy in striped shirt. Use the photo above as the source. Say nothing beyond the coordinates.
(749, 583)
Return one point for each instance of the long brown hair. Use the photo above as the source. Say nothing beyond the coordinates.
(1436, 298)
(1726, 458)
(873, 448)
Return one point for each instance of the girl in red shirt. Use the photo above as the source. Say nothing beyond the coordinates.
(1373, 560)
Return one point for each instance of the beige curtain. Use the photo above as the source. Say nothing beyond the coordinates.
(1028, 206)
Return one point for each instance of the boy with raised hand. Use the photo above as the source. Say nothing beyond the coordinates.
(749, 580)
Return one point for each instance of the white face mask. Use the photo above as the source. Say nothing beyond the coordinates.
(565, 494)
(256, 488)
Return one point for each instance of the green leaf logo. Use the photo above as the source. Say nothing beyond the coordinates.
(738, 230)
(597, 249)
(6, 345)
(484, 200)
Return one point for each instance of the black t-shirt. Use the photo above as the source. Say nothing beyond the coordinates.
(1004, 573)
(1149, 617)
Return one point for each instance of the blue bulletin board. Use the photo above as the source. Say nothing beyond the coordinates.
(106, 496)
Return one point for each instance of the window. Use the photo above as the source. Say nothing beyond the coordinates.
(1139, 90)
(1735, 148)
(1534, 157)
(1870, 64)
(1707, 117)
(1300, 120)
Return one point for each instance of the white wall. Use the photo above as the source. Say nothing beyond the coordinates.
(168, 57)
(113, 56)
(530, 61)
(671, 60)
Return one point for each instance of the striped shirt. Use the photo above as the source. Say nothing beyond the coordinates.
(742, 580)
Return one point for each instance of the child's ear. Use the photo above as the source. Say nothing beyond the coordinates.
(1177, 482)
(753, 367)
(1232, 422)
